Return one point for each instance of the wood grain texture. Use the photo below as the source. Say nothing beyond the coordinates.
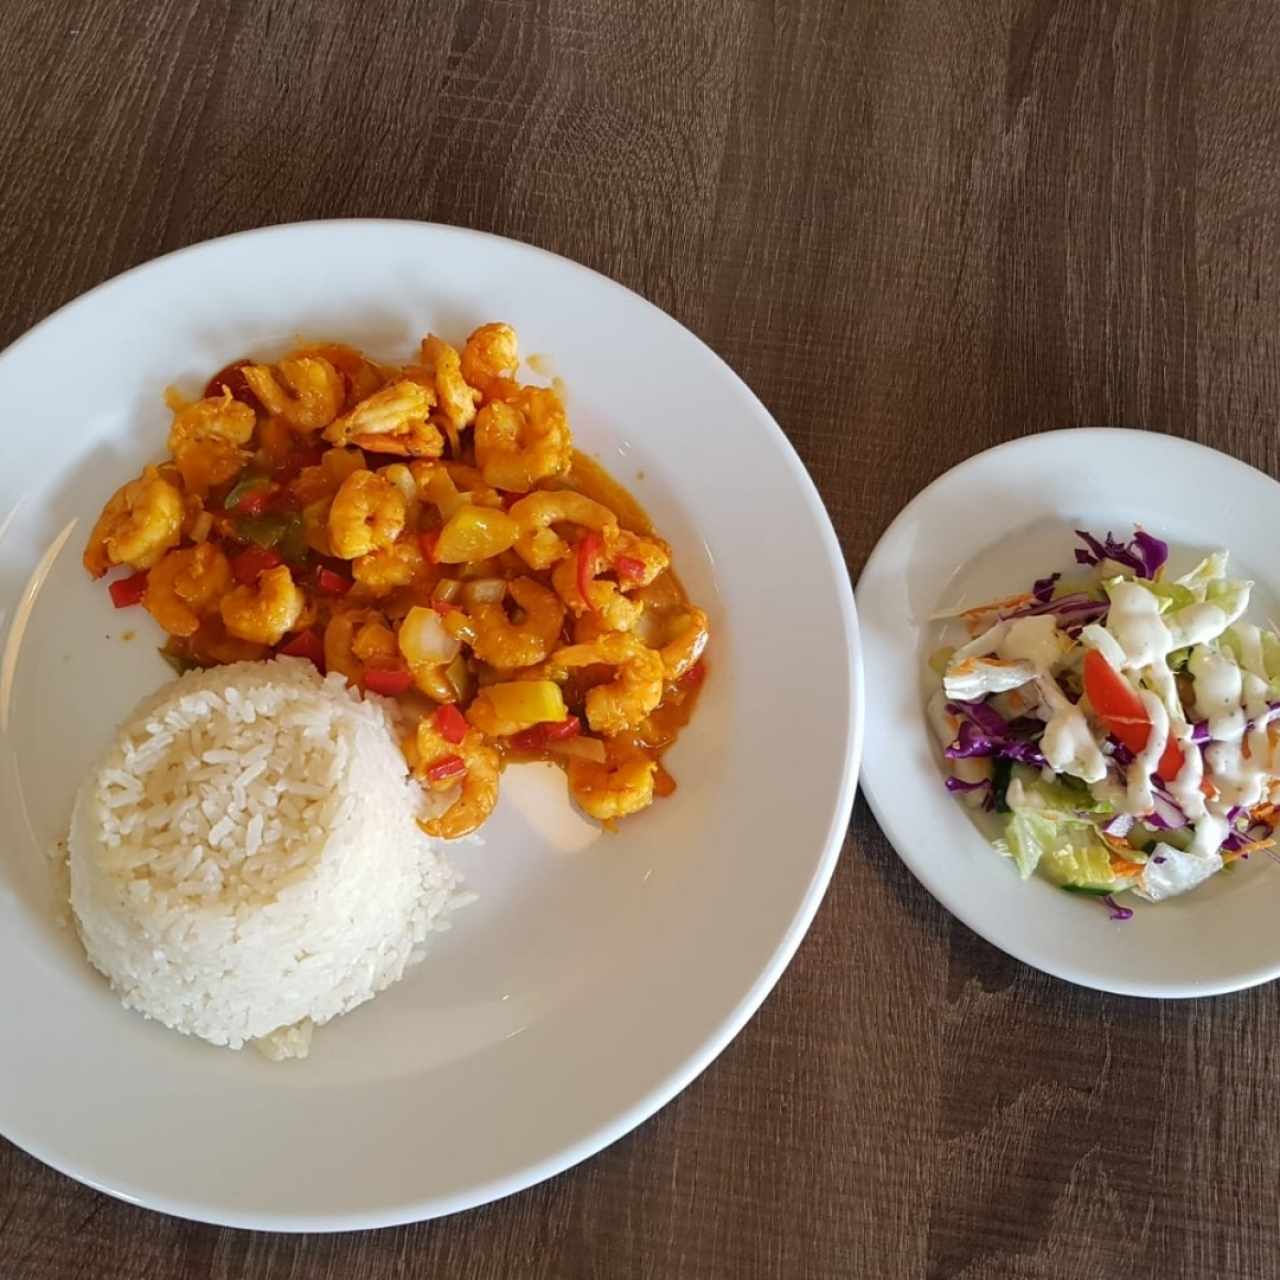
(917, 228)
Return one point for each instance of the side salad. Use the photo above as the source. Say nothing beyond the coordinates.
(1123, 723)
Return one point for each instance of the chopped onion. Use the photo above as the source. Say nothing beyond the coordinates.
(458, 674)
(201, 527)
(446, 589)
(402, 478)
(424, 639)
(581, 748)
(648, 630)
(1119, 826)
(484, 591)
(449, 504)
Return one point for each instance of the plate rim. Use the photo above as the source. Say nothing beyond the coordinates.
(718, 1037)
(884, 814)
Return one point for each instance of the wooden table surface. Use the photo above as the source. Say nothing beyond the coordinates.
(916, 228)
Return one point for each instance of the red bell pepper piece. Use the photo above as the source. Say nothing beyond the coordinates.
(1121, 710)
(451, 723)
(629, 567)
(255, 503)
(537, 737)
(306, 644)
(330, 583)
(232, 379)
(428, 542)
(695, 675)
(128, 591)
(252, 563)
(588, 549)
(297, 461)
(388, 681)
(446, 767)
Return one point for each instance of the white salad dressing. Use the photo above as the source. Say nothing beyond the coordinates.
(1218, 685)
(1138, 777)
(1234, 700)
(1135, 623)
(1034, 640)
(1068, 743)
(1185, 788)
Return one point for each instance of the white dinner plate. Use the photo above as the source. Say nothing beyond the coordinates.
(597, 974)
(988, 528)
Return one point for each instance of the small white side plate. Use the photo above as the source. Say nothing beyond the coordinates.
(990, 527)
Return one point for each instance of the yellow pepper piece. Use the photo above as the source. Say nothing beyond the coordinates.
(475, 533)
(503, 709)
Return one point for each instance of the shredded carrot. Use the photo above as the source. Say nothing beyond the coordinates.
(1009, 602)
(1122, 866)
(978, 618)
(1255, 845)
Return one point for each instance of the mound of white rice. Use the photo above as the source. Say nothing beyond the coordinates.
(245, 860)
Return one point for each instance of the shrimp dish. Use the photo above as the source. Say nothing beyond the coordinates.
(428, 532)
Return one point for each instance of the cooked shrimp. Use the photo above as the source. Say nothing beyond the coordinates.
(312, 484)
(432, 679)
(140, 522)
(539, 545)
(264, 612)
(503, 643)
(687, 643)
(442, 365)
(478, 777)
(211, 645)
(522, 440)
(448, 485)
(362, 376)
(392, 420)
(622, 786)
(588, 628)
(206, 438)
(637, 560)
(368, 512)
(492, 351)
(604, 599)
(356, 638)
(186, 586)
(633, 692)
(312, 395)
(385, 569)
(213, 418)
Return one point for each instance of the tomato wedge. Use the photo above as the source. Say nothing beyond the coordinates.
(1121, 710)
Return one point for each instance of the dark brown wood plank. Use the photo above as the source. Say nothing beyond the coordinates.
(917, 228)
